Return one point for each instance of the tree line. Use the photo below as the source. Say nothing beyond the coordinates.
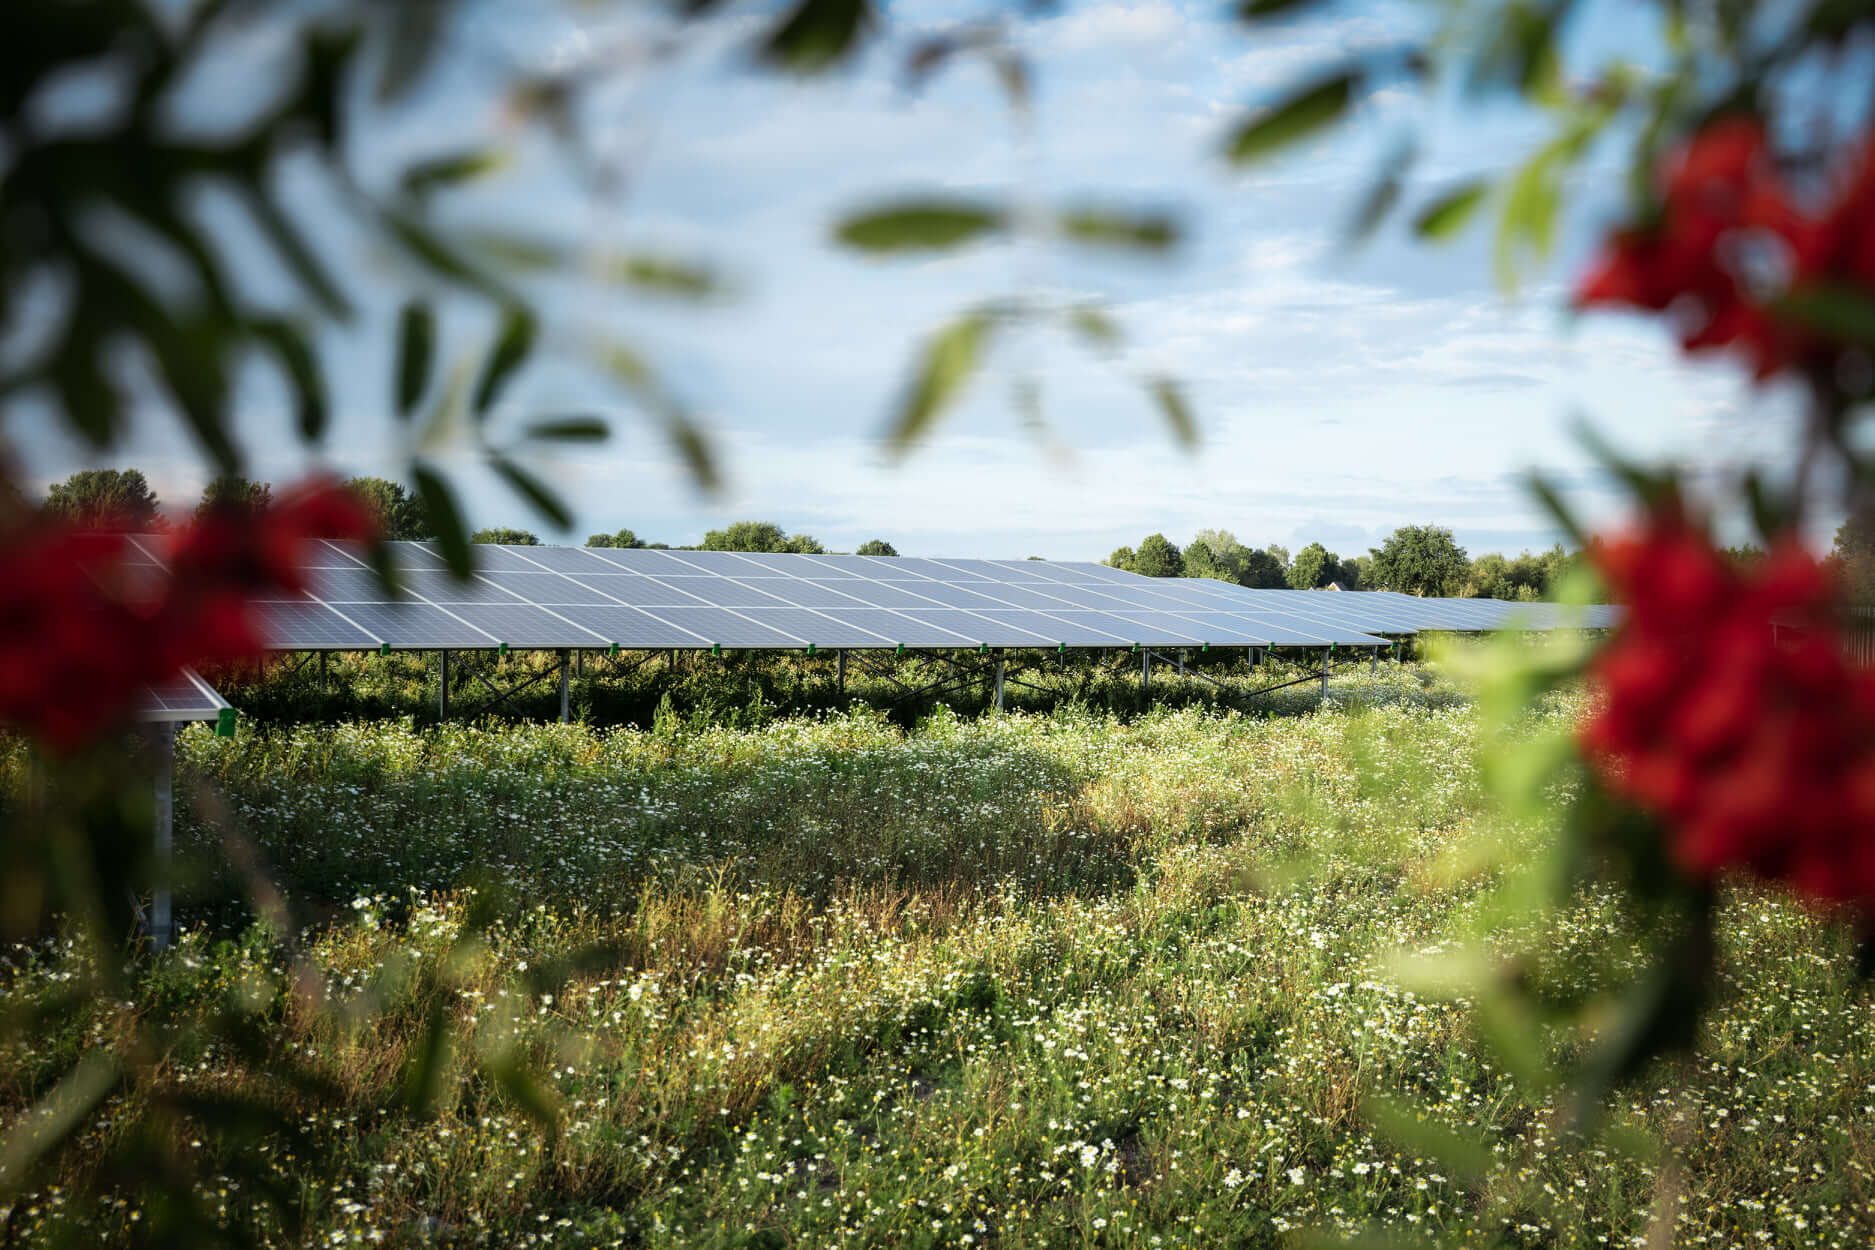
(123, 498)
(1415, 559)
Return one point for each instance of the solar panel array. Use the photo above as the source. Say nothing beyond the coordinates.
(583, 597)
(184, 698)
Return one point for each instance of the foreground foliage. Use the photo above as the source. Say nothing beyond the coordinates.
(1022, 981)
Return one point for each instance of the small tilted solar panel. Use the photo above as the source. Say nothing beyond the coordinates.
(645, 599)
(186, 697)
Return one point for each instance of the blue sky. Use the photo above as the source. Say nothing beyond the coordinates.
(1340, 395)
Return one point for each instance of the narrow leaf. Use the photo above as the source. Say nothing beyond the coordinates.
(445, 518)
(949, 360)
(694, 446)
(416, 347)
(1842, 312)
(523, 1085)
(55, 1118)
(1171, 401)
(443, 171)
(536, 492)
(295, 356)
(1251, 10)
(815, 34)
(416, 33)
(666, 276)
(296, 252)
(1295, 118)
(570, 430)
(1449, 214)
(919, 225)
(1094, 327)
(1153, 232)
(511, 349)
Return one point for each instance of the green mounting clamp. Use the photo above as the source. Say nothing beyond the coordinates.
(983, 648)
(1135, 648)
(1061, 648)
(810, 648)
(502, 649)
(224, 723)
(899, 650)
(716, 648)
(384, 648)
(612, 650)
(1204, 646)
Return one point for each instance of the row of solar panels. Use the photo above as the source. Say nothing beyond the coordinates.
(579, 597)
(185, 697)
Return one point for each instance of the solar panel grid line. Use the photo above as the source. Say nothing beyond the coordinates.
(597, 590)
(541, 607)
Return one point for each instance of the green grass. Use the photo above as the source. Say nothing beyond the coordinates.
(1029, 981)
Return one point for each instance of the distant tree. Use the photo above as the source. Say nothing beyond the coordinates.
(1200, 562)
(1854, 554)
(119, 498)
(399, 514)
(747, 536)
(804, 545)
(1316, 566)
(1037, 557)
(232, 492)
(657, 546)
(1157, 557)
(1280, 554)
(505, 537)
(1122, 558)
(1262, 570)
(1361, 570)
(1421, 560)
(624, 538)
(877, 547)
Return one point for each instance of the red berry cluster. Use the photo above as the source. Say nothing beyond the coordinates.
(1730, 241)
(1732, 713)
(86, 627)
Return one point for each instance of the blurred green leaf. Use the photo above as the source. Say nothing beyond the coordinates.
(523, 1085)
(1383, 193)
(1449, 214)
(1294, 118)
(537, 493)
(415, 35)
(1528, 224)
(1094, 327)
(919, 225)
(295, 251)
(421, 243)
(1422, 1134)
(666, 276)
(416, 347)
(816, 33)
(570, 430)
(426, 176)
(1154, 232)
(1840, 311)
(1172, 405)
(949, 359)
(55, 1118)
(294, 353)
(1251, 10)
(1558, 509)
(694, 446)
(439, 506)
(512, 347)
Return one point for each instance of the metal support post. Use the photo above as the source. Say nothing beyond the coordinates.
(999, 684)
(1324, 673)
(1145, 673)
(839, 659)
(442, 688)
(1181, 661)
(579, 664)
(1375, 666)
(160, 922)
(565, 688)
(322, 672)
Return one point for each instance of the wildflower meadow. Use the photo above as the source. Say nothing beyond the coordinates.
(1031, 980)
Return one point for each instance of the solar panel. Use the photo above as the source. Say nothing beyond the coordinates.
(186, 697)
(573, 597)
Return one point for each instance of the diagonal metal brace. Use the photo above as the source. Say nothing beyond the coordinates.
(502, 696)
